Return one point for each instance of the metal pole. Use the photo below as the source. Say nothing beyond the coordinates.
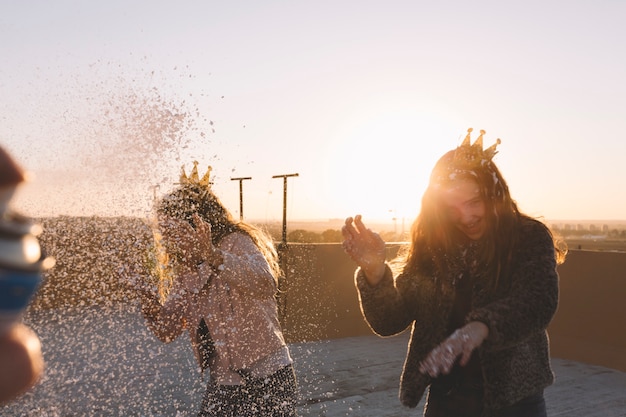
(284, 177)
(282, 250)
(241, 179)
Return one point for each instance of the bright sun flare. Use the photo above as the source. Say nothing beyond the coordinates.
(380, 163)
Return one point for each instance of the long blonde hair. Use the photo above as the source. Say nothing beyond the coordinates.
(189, 199)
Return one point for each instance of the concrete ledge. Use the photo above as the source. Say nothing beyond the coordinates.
(318, 300)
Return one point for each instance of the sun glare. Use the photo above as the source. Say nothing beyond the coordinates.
(380, 163)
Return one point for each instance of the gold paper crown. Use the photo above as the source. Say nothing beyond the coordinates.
(194, 178)
(470, 156)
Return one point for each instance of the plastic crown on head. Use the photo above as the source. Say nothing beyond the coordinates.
(469, 156)
(194, 178)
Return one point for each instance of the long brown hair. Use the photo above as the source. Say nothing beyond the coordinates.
(434, 239)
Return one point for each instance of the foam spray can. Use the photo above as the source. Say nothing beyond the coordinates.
(22, 260)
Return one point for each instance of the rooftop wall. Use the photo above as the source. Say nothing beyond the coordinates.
(318, 299)
(590, 324)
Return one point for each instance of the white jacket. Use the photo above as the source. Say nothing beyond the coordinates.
(241, 313)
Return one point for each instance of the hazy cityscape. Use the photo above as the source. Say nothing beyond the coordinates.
(578, 234)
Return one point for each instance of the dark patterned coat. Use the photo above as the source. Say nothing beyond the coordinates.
(515, 357)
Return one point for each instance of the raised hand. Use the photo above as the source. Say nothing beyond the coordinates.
(188, 245)
(365, 247)
(207, 250)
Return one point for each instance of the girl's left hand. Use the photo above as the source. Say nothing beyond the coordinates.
(191, 246)
(460, 344)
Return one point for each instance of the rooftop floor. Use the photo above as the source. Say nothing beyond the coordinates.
(103, 362)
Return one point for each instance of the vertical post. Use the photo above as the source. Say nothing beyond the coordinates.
(284, 177)
(241, 179)
(282, 249)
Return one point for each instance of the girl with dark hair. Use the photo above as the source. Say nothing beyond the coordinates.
(219, 281)
(477, 285)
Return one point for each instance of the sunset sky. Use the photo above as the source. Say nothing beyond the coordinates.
(104, 101)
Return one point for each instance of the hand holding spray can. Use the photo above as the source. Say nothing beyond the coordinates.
(22, 262)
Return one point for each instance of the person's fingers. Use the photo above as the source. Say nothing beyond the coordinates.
(449, 358)
(425, 366)
(358, 222)
(465, 357)
(197, 221)
(430, 364)
(434, 368)
(203, 228)
(442, 358)
(348, 229)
